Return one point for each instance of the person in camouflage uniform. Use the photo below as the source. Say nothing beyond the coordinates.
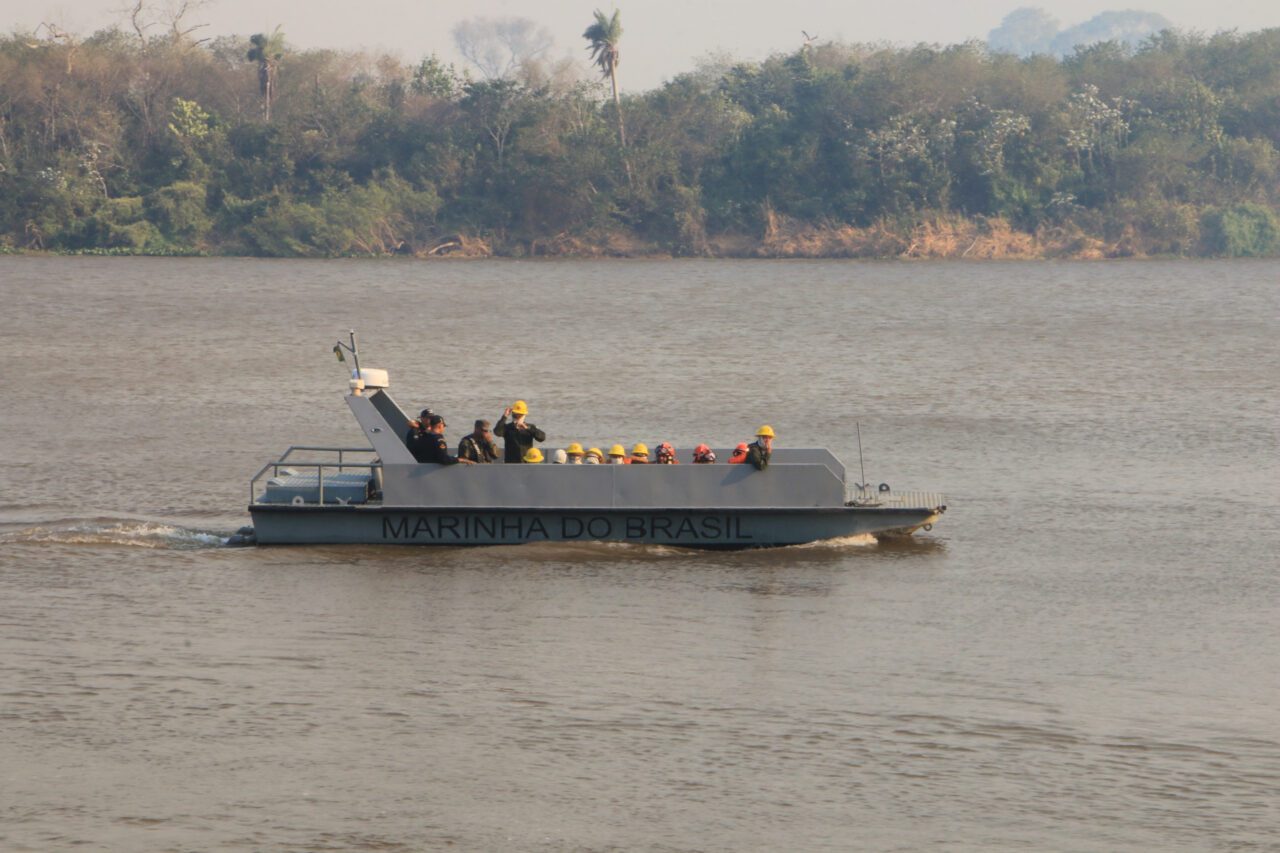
(479, 446)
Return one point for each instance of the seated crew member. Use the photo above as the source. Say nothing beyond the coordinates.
(575, 453)
(594, 457)
(639, 454)
(762, 448)
(703, 455)
(533, 457)
(433, 447)
(739, 454)
(517, 435)
(617, 455)
(478, 446)
(667, 454)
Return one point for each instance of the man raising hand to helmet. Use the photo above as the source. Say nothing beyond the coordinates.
(518, 435)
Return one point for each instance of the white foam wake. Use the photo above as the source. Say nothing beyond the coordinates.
(861, 540)
(117, 532)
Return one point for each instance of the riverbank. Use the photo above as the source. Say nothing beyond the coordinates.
(942, 238)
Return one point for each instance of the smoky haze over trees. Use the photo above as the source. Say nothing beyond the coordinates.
(500, 47)
(155, 141)
(1028, 31)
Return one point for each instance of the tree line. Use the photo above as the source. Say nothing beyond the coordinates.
(120, 142)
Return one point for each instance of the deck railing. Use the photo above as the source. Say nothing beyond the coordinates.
(341, 463)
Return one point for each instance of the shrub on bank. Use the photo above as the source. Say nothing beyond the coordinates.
(1241, 231)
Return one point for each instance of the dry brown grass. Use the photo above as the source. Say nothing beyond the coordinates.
(939, 237)
(935, 238)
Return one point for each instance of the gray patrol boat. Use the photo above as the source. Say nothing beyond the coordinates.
(381, 495)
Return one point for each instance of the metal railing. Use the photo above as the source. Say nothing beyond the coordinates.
(319, 467)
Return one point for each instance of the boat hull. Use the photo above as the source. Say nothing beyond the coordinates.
(695, 528)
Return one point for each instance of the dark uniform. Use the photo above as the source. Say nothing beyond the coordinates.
(429, 446)
(758, 456)
(418, 429)
(433, 448)
(516, 442)
(480, 450)
(418, 441)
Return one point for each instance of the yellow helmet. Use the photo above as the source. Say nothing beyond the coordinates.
(766, 431)
(640, 449)
(596, 452)
(574, 449)
(520, 407)
(617, 450)
(534, 455)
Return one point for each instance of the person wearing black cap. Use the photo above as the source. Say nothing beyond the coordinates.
(479, 446)
(431, 446)
(418, 431)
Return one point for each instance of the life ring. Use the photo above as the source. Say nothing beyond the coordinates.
(884, 487)
(298, 500)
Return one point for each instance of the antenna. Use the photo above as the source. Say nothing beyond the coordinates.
(357, 378)
(352, 348)
(861, 465)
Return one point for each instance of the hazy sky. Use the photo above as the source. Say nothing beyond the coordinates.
(661, 37)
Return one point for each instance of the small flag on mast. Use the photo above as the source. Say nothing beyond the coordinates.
(337, 350)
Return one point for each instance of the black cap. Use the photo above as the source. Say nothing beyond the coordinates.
(425, 415)
(482, 424)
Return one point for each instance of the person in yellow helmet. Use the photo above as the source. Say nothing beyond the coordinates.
(533, 456)
(594, 457)
(617, 455)
(517, 435)
(639, 454)
(575, 453)
(762, 448)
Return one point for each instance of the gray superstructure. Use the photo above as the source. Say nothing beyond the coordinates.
(381, 494)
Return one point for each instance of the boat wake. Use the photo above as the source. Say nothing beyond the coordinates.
(862, 540)
(648, 549)
(125, 533)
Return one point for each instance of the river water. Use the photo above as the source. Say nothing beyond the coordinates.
(1082, 655)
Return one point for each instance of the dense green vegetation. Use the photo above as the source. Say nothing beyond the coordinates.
(119, 143)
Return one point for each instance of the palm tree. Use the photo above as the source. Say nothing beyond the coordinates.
(604, 36)
(267, 51)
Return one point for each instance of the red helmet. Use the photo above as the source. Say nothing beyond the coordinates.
(702, 453)
(741, 448)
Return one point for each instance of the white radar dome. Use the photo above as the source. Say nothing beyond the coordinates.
(372, 377)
